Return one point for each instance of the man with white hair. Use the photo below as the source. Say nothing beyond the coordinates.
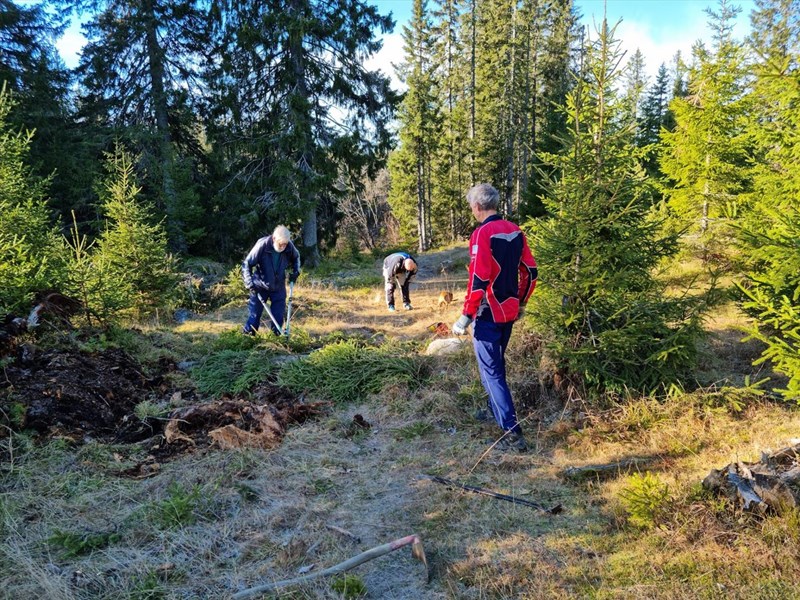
(502, 275)
(264, 274)
(398, 269)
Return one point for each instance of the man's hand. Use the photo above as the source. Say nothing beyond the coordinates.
(521, 312)
(259, 285)
(293, 277)
(460, 326)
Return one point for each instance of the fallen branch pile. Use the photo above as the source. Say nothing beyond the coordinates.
(773, 483)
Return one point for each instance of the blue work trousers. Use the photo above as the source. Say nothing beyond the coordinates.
(277, 304)
(490, 341)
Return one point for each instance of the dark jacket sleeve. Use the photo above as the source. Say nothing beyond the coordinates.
(295, 261)
(251, 261)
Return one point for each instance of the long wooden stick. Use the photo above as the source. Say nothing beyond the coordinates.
(554, 510)
(416, 551)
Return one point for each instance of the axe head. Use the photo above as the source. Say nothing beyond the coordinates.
(418, 552)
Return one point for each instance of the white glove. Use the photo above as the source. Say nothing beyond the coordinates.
(460, 326)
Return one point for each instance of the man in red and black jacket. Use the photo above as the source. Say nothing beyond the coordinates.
(502, 275)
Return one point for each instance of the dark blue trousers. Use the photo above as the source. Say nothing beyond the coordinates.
(490, 341)
(277, 304)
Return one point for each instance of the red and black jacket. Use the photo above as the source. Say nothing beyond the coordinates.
(502, 271)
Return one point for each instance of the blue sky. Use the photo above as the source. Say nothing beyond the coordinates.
(659, 28)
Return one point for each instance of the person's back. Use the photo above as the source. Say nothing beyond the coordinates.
(398, 269)
(502, 275)
(499, 255)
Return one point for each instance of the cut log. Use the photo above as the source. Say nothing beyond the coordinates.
(608, 470)
(768, 485)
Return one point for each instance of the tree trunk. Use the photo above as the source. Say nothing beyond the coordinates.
(155, 57)
(511, 118)
(422, 234)
(310, 249)
(473, 19)
(304, 154)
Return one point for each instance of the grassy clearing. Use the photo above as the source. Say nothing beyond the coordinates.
(212, 523)
(348, 371)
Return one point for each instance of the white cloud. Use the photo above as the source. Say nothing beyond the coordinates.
(70, 46)
(658, 47)
(390, 53)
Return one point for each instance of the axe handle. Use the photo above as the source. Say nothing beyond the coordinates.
(269, 312)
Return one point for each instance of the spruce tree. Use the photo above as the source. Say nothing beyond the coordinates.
(770, 226)
(296, 107)
(131, 254)
(418, 115)
(602, 309)
(35, 74)
(705, 156)
(140, 73)
(29, 246)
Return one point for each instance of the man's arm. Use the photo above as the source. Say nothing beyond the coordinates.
(528, 273)
(250, 261)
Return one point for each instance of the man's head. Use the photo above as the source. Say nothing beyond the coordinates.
(482, 199)
(280, 238)
(409, 265)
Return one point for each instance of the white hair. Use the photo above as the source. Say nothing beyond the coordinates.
(484, 196)
(281, 234)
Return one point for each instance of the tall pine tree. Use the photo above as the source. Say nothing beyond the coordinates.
(411, 168)
(705, 156)
(140, 73)
(604, 312)
(770, 227)
(297, 106)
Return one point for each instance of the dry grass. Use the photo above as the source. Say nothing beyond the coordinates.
(245, 517)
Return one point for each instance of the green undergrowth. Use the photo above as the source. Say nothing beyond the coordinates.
(234, 371)
(347, 371)
(76, 544)
(351, 271)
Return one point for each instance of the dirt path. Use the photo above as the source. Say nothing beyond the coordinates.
(321, 308)
(369, 483)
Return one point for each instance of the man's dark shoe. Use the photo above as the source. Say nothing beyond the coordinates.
(512, 442)
(484, 415)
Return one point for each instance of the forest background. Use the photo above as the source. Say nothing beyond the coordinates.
(187, 130)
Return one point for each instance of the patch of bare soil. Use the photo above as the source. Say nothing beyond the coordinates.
(75, 393)
(236, 422)
(82, 395)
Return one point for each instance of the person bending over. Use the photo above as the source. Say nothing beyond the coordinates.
(398, 269)
(264, 273)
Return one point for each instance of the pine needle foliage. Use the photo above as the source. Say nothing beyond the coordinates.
(76, 544)
(706, 154)
(769, 231)
(607, 317)
(348, 371)
(234, 371)
(646, 500)
(29, 244)
(132, 251)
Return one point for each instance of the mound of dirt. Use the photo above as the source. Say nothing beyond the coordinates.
(237, 423)
(82, 395)
(74, 393)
